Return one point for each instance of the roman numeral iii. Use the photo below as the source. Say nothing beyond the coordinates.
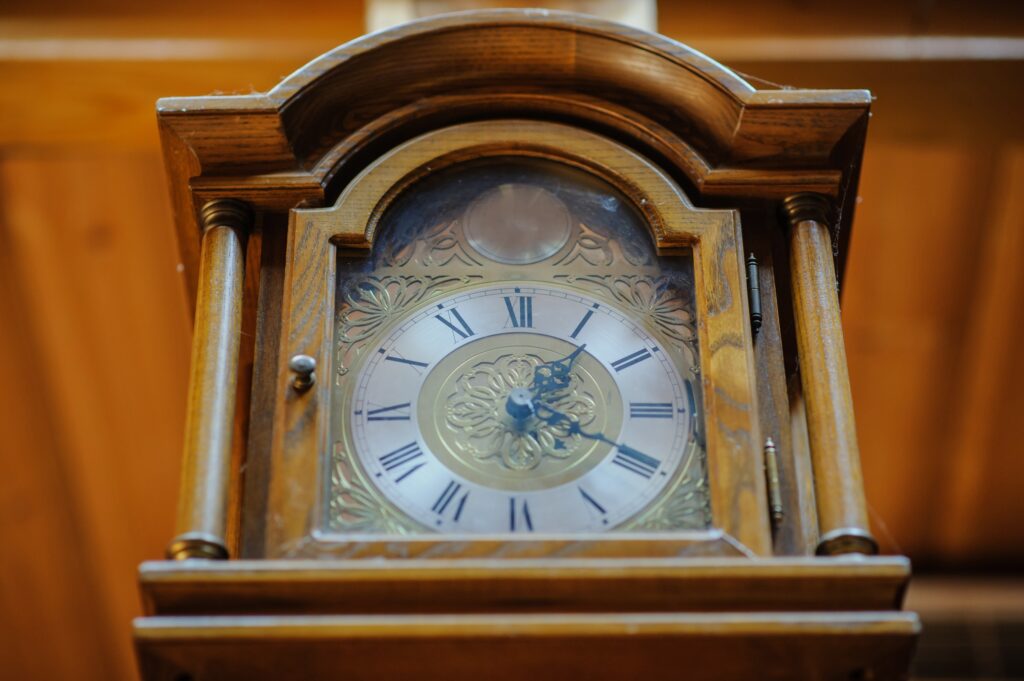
(650, 410)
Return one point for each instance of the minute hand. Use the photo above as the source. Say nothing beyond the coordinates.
(552, 376)
(629, 458)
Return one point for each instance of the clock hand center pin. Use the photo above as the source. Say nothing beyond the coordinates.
(519, 404)
(547, 378)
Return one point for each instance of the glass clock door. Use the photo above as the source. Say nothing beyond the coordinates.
(514, 357)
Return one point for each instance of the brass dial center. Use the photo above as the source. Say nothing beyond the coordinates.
(478, 413)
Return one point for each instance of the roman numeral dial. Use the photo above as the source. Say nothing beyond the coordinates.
(518, 410)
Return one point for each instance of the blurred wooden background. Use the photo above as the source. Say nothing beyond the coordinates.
(94, 334)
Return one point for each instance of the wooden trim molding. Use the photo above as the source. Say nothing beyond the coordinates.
(302, 141)
(497, 585)
(607, 646)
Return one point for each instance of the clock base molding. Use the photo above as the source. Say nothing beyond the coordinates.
(720, 618)
(449, 586)
(704, 647)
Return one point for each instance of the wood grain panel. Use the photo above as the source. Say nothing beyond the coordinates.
(690, 20)
(104, 65)
(904, 303)
(42, 545)
(986, 445)
(107, 106)
(105, 310)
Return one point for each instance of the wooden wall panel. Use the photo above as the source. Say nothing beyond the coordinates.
(932, 317)
(45, 574)
(105, 317)
(979, 510)
(111, 104)
(904, 307)
(94, 334)
(94, 337)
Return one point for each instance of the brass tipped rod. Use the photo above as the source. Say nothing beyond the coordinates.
(206, 469)
(838, 483)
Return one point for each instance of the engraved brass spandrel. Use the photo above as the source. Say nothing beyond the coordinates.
(356, 506)
(371, 303)
(660, 302)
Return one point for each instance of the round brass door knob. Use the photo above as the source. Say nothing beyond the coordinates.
(304, 368)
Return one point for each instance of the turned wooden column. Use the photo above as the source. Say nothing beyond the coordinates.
(839, 487)
(206, 474)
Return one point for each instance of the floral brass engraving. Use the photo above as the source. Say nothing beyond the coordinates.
(370, 303)
(480, 426)
(686, 506)
(356, 507)
(437, 246)
(596, 247)
(661, 302)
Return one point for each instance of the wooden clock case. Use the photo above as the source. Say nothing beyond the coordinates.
(267, 187)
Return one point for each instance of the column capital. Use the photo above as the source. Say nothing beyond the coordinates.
(808, 206)
(226, 213)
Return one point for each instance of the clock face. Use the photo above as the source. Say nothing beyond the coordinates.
(515, 408)
(515, 359)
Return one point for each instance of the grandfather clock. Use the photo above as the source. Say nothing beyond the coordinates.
(517, 352)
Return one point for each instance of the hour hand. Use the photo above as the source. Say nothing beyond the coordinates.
(552, 376)
(548, 413)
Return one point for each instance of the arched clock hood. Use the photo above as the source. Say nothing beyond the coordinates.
(719, 136)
